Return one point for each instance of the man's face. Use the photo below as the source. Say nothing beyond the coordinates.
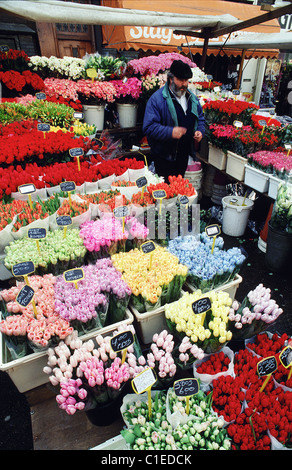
(179, 86)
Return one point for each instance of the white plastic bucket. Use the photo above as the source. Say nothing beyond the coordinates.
(127, 114)
(94, 115)
(235, 215)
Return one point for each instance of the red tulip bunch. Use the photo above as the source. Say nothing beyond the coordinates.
(216, 363)
(227, 397)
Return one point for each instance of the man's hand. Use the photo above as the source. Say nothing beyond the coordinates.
(198, 136)
(178, 132)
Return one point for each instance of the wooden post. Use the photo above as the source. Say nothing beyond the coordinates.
(204, 53)
(240, 68)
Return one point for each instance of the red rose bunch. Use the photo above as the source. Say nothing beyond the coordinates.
(225, 111)
(216, 363)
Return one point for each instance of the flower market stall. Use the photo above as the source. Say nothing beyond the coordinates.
(127, 320)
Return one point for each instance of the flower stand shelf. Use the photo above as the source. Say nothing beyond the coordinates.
(217, 157)
(235, 165)
(273, 186)
(256, 179)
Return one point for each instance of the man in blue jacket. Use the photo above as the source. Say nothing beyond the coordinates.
(173, 122)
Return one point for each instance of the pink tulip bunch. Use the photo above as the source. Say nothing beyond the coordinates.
(188, 352)
(71, 397)
(160, 356)
(41, 327)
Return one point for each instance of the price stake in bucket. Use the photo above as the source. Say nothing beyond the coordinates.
(148, 247)
(77, 152)
(74, 275)
(78, 115)
(91, 73)
(286, 359)
(64, 221)
(4, 48)
(23, 269)
(121, 342)
(120, 213)
(25, 297)
(213, 231)
(43, 127)
(262, 123)
(141, 183)
(144, 382)
(27, 189)
(201, 307)
(37, 233)
(68, 187)
(184, 200)
(159, 194)
(186, 388)
(266, 367)
(41, 96)
(237, 123)
(288, 147)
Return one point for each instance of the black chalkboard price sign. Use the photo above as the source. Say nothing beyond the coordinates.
(44, 127)
(159, 194)
(37, 233)
(184, 200)
(64, 220)
(121, 211)
(286, 357)
(148, 247)
(23, 269)
(67, 186)
(201, 305)
(186, 387)
(236, 92)
(122, 341)
(4, 48)
(73, 275)
(267, 366)
(76, 152)
(25, 296)
(141, 182)
(41, 96)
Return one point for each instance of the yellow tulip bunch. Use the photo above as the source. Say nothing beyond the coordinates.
(82, 128)
(154, 278)
(209, 330)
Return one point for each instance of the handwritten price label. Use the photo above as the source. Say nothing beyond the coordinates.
(186, 387)
(267, 366)
(23, 269)
(122, 341)
(143, 381)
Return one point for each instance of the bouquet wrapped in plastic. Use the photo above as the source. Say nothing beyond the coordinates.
(28, 329)
(256, 312)
(209, 330)
(207, 270)
(155, 278)
(90, 374)
(57, 253)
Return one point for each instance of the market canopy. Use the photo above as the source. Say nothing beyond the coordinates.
(157, 25)
(54, 11)
(163, 39)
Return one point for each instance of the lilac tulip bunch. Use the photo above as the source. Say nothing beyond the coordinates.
(86, 307)
(257, 311)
